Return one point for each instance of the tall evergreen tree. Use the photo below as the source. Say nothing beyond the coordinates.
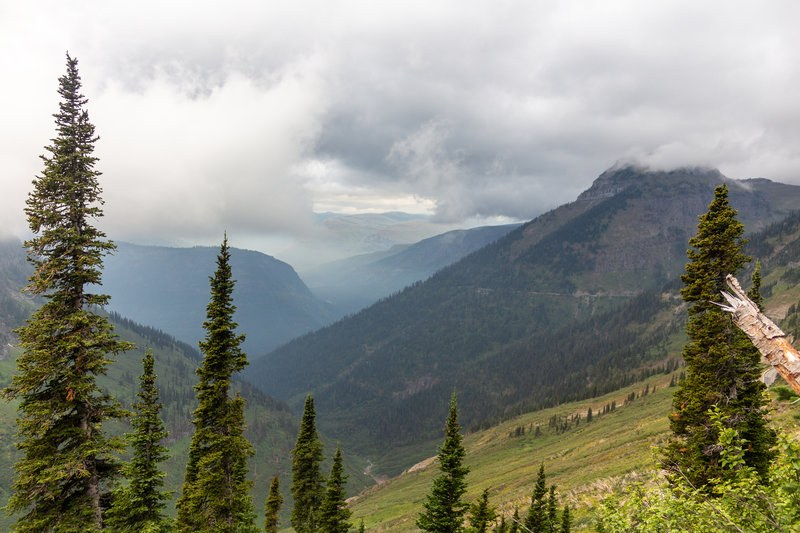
(272, 507)
(68, 463)
(307, 480)
(444, 507)
(216, 493)
(139, 507)
(481, 514)
(722, 367)
(333, 513)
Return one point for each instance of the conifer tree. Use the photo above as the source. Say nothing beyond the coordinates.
(481, 514)
(515, 522)
(307, 480)
(537, 513)
(140, 506)
(755, 290)
(722, 367)
(68, 463)
(215, 495)
(333, 513)
(552, 509)
(272, 507)
(444, 507)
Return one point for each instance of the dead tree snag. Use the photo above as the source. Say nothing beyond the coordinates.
(766, 336)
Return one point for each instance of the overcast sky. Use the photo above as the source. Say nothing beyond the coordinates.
(249, 116)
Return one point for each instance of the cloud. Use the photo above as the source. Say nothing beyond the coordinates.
(214, 161)
(249, 115)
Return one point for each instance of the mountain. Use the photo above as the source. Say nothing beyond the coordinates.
(567, 306)
(334, 236)
(14, 307)
(271, 426)
(356, 282)
(167, 288)
(588, 460)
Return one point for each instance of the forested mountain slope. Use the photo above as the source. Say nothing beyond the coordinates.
(271, 426)
(589, 459)
(356, 282)
(564, 307)
(14, 308)
(167, 288)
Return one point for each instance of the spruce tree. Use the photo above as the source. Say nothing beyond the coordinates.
(140, 506)
(444, 507)
(537, 521)
(68, 464)
(481, 514)
(307, 481)
(215, 495)
(272, 507)
(333, 513)
(722, 367)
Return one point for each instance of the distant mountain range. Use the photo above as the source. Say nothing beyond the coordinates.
(566, 306)
(356, 282)
(336, 236)
(168, 288)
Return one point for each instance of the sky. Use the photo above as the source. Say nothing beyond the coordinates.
(250, 116)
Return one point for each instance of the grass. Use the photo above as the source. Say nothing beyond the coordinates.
(586, 462)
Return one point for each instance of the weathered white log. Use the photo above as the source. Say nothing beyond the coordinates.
(766, 336)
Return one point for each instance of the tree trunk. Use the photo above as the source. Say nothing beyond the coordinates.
(766, 336)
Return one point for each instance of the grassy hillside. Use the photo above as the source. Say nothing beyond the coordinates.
(587, 461)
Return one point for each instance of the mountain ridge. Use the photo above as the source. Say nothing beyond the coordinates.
(495, 322)
(356, 282)
(167, 288)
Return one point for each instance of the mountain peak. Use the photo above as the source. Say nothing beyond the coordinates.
(621, 176)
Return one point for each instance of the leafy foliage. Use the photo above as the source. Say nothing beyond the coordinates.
(69, 463)
(740, 498)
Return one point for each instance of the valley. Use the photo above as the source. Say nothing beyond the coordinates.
(578, 308)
